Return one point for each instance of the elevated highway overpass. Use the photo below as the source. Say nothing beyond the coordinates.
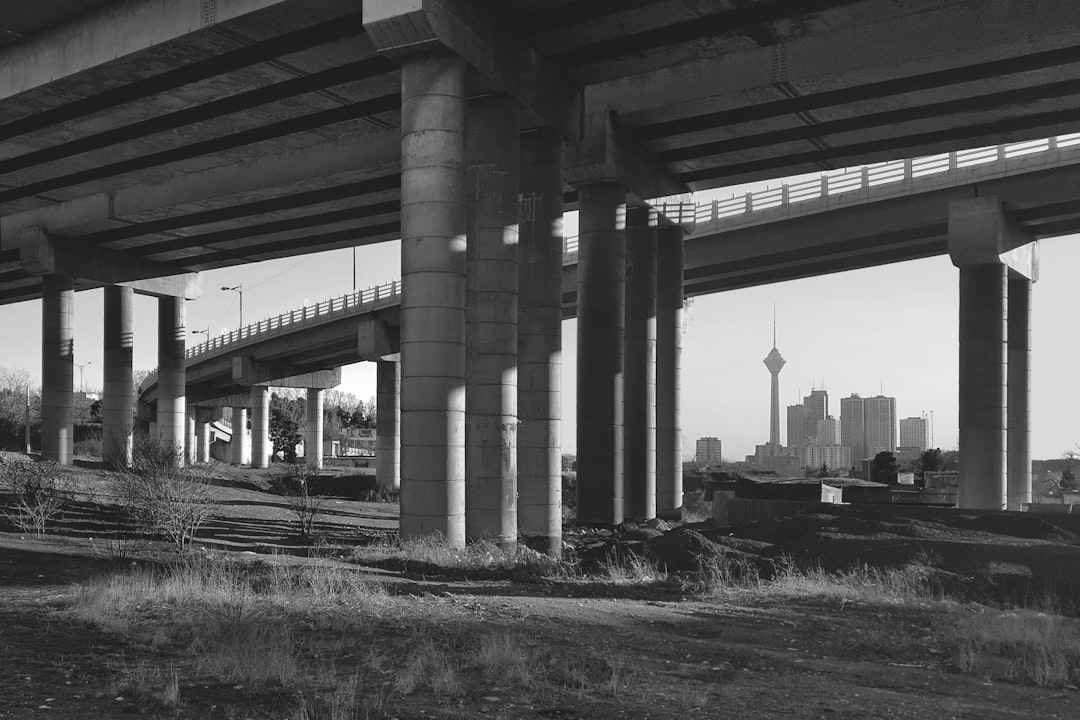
(142, 140)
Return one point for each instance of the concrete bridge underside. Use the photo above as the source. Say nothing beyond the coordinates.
(142, 140)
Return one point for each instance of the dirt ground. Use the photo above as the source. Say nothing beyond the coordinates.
(642, 650)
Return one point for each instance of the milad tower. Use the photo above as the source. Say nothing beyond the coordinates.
(775, 362)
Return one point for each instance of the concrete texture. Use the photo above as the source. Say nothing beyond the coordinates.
(118, 392)
(240, 445)
(190, 450)
(260, 426)
(388, 424)
(669, 331)
(171, 397)
(491, 317)
(433, 298)
(983, 296)
(57, 366)
(1019, 393)
(601, 314)
(639, 389)
(313, 432)
(540, 254)
(203, 419)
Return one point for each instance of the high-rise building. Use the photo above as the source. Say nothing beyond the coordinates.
(880, 423)
(853, 426)
(815, 407)
(828, 431)
(794, 429)
(914, 433)
(707, 450)
(833, 457)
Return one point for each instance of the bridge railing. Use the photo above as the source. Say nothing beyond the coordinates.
(349, 304)
(875, 175)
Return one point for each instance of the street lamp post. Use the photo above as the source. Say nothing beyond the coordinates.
(82, 385)
(239, 290)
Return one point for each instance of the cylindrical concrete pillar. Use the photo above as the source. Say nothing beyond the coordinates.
(601, 314)
(189, 437)
(669, 330)
(260, 426)
(240, 445)
(491, 315)
(983, 308)
(388, 424)
(540, 257)
(433, 297)
(57, 367)
(639, 389)
(172, 335)
(117, 398)
(1019, 393)
(313, 433)
(202, 429)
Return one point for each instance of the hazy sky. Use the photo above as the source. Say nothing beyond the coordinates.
(892, 328)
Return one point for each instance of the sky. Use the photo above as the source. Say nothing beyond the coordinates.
(890, 329)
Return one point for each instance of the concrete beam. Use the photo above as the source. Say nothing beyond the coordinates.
(399, 28)
(982, 233)
(110, 32)
(248, 371)
(376, 341)
(368, 153)
(187, 286)
(949, 36)
(43, 254)
(605, 153)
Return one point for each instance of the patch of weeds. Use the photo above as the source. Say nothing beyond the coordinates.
(38, 490)
(1026, 646)
(430, 666)
(248, 648)
(147, 685)
(696, 508)
(631, 569)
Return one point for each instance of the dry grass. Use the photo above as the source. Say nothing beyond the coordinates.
(479, 556)
(1027, 646)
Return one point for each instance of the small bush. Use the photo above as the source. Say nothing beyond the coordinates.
(161, 495)
(38, 490)
(91, 447)
(295, 485)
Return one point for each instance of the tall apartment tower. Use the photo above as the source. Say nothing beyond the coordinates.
(794, 429)
(775, 362)
(914, 433)
(853, 426)
(880, 424)
(707, 450)
(815, 408)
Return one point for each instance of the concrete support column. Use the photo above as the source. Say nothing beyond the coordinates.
(433, 297)
(118, 392)
(640, 362)
(172, 335)
(669, 330)
(983, 308)
(1019, 393)
(313, 433)
(202, 440)
(601, 314)
(388, 424)
(491, 316)
(189, 438)
(240, 445)
(57, 367)
(540, 256)
(260, 426)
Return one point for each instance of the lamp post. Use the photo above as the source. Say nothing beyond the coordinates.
(82, 385)
(239, 290)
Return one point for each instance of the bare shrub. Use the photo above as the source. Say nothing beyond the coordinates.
(295, 485)
(161, 495)
(1025, 646)
(38, 493)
